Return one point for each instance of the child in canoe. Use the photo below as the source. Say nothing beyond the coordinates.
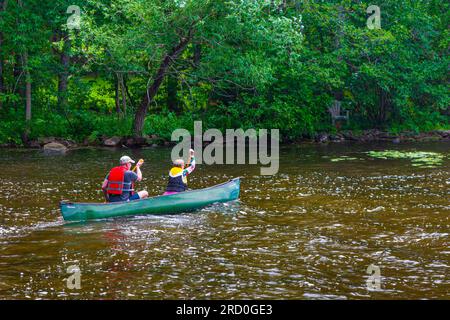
(178, 175)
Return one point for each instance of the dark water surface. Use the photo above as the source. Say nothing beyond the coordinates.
(309, 232)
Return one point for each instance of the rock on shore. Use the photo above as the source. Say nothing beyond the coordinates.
(54, 148)
(113, 142)
(371, 135)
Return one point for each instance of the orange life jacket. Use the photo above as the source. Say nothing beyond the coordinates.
(116, 184)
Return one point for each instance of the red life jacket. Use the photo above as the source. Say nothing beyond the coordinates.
(116, 184)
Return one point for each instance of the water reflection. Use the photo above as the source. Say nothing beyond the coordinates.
(307, 233)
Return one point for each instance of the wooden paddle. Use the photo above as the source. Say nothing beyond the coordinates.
(140, 162)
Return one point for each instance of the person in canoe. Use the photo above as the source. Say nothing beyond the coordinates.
(178, 175)
(119, 183)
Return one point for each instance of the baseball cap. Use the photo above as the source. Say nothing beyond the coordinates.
(126, 159)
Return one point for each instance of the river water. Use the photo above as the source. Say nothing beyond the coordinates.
(309, 232)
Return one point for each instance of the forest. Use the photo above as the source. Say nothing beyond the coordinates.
(85, 69)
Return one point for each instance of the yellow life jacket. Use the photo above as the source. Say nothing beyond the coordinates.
(177, 181)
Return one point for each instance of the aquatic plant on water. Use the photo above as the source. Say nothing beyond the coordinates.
(418, 158)
(344, 158)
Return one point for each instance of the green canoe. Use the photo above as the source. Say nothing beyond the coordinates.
(175, 203)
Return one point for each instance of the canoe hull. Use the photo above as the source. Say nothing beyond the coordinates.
(171, 204)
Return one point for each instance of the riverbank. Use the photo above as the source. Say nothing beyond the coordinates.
(61, 144)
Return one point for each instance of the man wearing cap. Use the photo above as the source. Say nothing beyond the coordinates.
(119, 183)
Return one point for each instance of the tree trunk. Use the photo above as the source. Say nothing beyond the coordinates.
(339, 93)
(117, 100)
(120, 94)
(26, 133)
(340, 29)
(172, 89)
(150, 94)
(28, 100)
(63, 76)
(18, 70)
(128, 92)
(27, 75)
(123, 93)
(17, 75)
(197, 54)
(1, 70)
(383, 106)
(3, 5)
(27, 87)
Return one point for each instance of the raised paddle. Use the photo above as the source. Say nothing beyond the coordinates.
(140, 162)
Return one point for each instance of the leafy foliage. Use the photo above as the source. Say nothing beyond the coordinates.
(248, 63)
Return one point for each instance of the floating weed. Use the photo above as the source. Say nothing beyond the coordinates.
(418, 159)
(344, 158)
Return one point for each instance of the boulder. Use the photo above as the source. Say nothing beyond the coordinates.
(384, 136)
(46, 140)
(140, 141)
(66, 142)
(348, 135)
(322, 138)
(129, 142)
(135, 142)
(337, 138)
(407, 139)
(10, 144)
(33, 144)
(429, 139)
(409, 134)
(375, 132)
(112, 142)
(153, 140)
(443, 133)
(55, 148)
(367, 136)
(86, 142)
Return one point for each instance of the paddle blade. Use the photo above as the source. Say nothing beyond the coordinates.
(140, 162)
